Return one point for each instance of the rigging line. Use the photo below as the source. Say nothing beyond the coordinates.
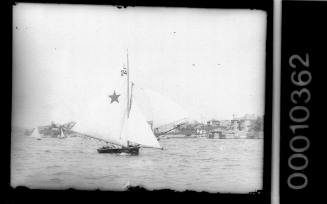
(99, 139)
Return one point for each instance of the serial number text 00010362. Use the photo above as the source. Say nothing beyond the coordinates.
(299, 115)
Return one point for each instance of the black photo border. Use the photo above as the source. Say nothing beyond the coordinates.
(302, 36)
(23, 194)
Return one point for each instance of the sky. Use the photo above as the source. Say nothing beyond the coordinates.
(209, 61)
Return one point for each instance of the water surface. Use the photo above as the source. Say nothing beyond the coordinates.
(200, 164)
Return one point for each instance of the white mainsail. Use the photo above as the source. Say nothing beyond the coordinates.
(98, 117)
(137, 129)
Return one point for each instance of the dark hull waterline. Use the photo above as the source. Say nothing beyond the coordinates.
(127, 150)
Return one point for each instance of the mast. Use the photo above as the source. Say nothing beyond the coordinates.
(131, 98)
(127, 69)
(128, 105)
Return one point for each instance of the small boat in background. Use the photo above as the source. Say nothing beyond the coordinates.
(57, 130)
(36, 134)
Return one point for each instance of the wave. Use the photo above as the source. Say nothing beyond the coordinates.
(63, 173)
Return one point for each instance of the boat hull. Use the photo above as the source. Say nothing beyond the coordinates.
(127, 150)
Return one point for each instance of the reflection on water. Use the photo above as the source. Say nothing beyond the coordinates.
(214, 165)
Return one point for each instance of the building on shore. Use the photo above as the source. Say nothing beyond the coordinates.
(247, 126)
(213, 122)
(235, 124)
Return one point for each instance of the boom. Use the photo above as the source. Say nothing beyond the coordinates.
(177, 126)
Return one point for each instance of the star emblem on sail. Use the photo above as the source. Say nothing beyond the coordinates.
(114, 97)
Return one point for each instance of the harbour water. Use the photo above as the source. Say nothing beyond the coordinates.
(199, 164)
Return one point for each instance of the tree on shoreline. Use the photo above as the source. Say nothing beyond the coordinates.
(257, 125)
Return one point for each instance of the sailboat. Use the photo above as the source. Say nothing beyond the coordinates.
(135, 131)
(36, 134)
(61, 135)
(57, 130)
